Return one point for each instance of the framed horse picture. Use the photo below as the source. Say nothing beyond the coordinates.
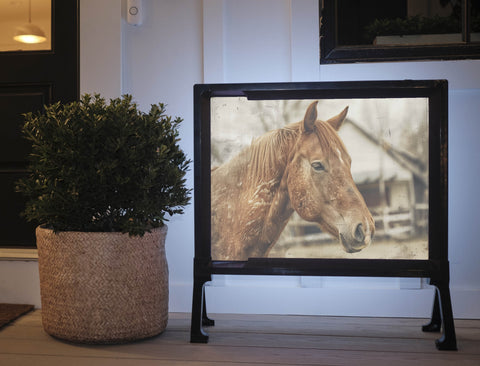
(322, 179)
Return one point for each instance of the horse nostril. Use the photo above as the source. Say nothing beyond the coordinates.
(359, 234)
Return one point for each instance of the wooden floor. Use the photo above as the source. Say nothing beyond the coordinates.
(253, 340)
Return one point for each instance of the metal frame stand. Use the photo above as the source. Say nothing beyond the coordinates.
(442, 317)
(441, 320)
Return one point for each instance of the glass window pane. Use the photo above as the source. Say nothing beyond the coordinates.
(475, 21)
(400, 22)
(25, 25)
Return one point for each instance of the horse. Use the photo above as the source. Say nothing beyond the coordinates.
(302, 167)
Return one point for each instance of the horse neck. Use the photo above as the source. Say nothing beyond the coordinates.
(269, 156)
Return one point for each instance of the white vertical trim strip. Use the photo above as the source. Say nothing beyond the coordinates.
(101, 51)
(305, 47)
(213, 41)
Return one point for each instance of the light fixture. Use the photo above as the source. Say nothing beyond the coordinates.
(30, 33)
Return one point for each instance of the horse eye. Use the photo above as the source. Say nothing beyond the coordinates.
(317, 166)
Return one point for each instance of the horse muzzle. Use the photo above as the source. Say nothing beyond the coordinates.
(356, 240)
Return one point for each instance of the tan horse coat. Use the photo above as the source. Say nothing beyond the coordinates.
(302, 167)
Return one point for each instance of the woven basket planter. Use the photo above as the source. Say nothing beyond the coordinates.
(103, 287)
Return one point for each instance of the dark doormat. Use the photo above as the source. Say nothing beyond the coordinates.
(10, 312)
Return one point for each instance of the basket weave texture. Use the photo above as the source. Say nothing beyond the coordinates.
(103, 287)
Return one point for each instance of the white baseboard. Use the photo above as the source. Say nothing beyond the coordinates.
(19, 283)
(12, 254)
(369, 302)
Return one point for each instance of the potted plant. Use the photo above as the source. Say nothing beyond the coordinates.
(103, 180)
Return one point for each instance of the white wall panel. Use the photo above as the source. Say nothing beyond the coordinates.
(257, 41)
(101, 47)
(183, 42)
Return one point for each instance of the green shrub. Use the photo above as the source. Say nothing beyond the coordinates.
(103, 167)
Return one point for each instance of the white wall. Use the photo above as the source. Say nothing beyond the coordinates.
(277, 40)
(162, 61)
(183, 42)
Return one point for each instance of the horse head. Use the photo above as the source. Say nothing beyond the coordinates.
(320, 183)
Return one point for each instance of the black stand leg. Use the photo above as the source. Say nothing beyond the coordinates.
(435, 324)
(199, 313)
(442, 314)
(448, 341)
(197, 334)
(206, 321)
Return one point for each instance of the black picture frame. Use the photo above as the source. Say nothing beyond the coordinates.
(331, 52)
(435, 267)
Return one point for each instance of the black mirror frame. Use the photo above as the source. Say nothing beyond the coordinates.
(332, 53)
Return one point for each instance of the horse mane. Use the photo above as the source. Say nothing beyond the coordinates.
(269, 153)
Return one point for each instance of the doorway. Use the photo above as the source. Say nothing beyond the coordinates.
(31, 75)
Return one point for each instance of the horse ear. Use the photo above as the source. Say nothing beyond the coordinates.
(336, 122)
(310, 117)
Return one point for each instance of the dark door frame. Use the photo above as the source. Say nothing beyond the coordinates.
(29, 80)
